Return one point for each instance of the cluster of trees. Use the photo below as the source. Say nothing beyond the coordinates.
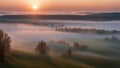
(98, 31)
(5, 41)
(113, 39)
(5, 47)
(43, 49)
(82, 47)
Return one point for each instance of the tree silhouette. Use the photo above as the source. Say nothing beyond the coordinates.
(68, 52)
(42, 48)
(5, 41)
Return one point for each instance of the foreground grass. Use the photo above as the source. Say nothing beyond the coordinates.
(19, 59)
(97, 62)
(24, 60)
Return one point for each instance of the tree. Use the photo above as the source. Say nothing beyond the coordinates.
(42, 48)
(5, 41)
(68, 52)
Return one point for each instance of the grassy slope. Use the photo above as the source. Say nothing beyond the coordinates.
(24, 60)
(97, 62)
(102, 47)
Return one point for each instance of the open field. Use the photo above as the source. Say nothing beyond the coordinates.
(24, 60)
(19, 59)
(99, 54)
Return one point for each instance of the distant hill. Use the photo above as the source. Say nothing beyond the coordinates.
(89, 17)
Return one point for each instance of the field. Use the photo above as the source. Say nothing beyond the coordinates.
(101, 54)
(20, 59)
(25, 60)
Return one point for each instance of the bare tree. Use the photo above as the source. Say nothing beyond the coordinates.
(5, 41)
(42, 48)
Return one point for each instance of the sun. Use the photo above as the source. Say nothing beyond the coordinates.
(35, 7)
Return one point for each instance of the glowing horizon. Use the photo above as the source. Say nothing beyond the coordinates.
(62, 5)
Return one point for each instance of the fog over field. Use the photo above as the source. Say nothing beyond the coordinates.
(25, 37)
(59, 34)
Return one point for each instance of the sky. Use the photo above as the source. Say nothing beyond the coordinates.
(60, 5)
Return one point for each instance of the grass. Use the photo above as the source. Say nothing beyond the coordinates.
(19, 59)
(24, 60)
(97, 62)
(102, 47)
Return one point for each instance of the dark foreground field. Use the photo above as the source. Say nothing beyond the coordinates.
(19, 59)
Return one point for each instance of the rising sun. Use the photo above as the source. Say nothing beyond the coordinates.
(35, 7)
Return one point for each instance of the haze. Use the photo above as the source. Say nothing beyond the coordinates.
(60, 5)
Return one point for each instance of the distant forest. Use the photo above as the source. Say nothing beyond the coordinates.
(89, 17)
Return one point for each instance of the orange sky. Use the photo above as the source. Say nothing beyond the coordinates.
(60, 5)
